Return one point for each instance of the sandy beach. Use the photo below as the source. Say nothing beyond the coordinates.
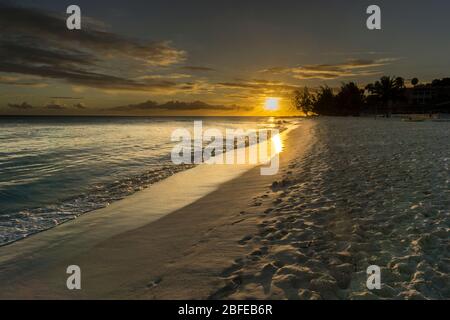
(352, 203)
(334, 208)
(249, 152)
(152, 235)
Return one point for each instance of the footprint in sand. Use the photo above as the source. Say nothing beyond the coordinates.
(154, 283)
(245, 239)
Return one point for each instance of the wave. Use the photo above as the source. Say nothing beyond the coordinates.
(19, 225)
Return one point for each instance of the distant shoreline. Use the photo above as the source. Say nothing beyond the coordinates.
(142, 116)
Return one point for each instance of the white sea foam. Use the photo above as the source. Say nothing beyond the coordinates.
(54, 169)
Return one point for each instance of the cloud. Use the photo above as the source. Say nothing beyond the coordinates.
(138, 108)
(259, 86)
(178, 106)
(21, 106)
(349, 68)
(197, 68)
(355, 53)
(48, 26)
(37, 43)
(50, 106)
(199, 105)
(164, 76)
(21, 82)
(275, 70)
(66, 98)
(148, 105)
(79, 106)
(55, 106)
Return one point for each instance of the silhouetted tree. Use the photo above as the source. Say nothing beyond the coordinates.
(324, 103)
(445, 82)
(387, 90)
(350, 100)
(303, 100)
(414, 81)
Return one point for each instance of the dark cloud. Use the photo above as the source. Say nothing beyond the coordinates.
(276, 70)
(67, 98)
(258, 85)
(79, 106)
(148, 105)
(75, 75)
(37, 43)
(50, 26)
(178, 106)
(32, 52)
(199, 105)
(22, 106)
(17, 81)
(55, 106)
(50, 106)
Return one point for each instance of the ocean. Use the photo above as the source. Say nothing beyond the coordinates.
(53, 169)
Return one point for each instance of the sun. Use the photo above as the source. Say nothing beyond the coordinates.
(272, 104)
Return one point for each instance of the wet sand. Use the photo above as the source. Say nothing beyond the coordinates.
(156, 243)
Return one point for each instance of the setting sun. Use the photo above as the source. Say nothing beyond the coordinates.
(272, 104)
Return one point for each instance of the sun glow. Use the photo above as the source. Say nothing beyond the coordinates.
(272, 104)
(277, 143)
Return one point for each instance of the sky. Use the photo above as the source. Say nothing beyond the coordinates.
(212, 57)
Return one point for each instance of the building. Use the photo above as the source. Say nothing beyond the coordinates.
(426, 98)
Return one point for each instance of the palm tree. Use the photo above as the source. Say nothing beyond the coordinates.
(387, 90)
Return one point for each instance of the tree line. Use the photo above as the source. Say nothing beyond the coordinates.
(350, 100)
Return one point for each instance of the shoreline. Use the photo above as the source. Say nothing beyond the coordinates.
(82, 204)
(68, 243)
